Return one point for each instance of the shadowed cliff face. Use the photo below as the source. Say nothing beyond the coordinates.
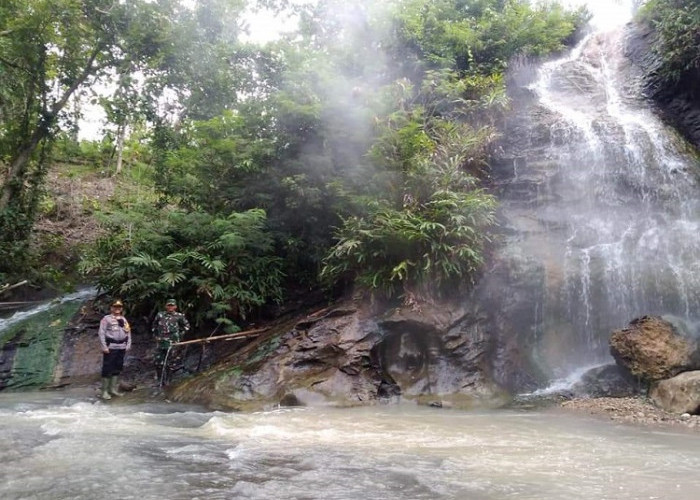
(352, 356)
(600, 217)
(679, 103)
(55, 344)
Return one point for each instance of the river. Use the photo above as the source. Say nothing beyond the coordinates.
(67, 446)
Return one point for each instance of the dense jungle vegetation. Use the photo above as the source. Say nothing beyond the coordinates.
(352, 152)
(677, 26)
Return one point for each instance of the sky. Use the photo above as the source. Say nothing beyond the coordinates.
(607, 14)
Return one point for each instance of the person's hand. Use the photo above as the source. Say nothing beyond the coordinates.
(105, 350)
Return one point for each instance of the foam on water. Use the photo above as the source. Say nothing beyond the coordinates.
(84, 451)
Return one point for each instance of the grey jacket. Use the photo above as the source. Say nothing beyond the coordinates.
(112, 334)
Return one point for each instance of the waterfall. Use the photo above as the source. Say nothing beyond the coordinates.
(601, 212)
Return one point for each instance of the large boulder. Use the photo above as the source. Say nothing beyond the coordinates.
(680, 394)
(652, 349)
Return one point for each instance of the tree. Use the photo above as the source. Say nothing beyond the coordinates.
(677, 41)
(363, 138)
(49, 49)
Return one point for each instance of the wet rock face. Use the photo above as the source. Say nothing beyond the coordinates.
(606, 381)
(652, 349)
(680, 103)
(595, 217)
(29, 350)
(349, 357)
(60, 347)
(680, 394)
(439, 356)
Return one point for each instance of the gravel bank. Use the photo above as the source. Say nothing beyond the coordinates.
(638, 410)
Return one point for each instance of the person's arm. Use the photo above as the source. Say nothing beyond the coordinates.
(101, 334)
(154, 326)
(127, 329)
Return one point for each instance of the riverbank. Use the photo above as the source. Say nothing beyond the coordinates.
(632, 410)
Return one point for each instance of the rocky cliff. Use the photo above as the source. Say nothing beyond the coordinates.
(679, 104)
(352, 355)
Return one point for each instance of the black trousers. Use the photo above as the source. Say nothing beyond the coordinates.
(113, 362)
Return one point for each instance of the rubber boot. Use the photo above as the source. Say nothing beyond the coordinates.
(114, 386)
(105, 388)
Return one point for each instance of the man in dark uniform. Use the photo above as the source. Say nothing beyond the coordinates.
(169, 327)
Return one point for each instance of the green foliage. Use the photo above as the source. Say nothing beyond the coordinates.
(362, 139)
(677, 23)
(212, 163)
(269, 154)
(480, 37)
(420, 252)
(217, 267)
(431, 238)
(50, 52)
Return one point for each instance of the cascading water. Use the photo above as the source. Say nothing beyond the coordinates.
(45, 306)
(602, 210)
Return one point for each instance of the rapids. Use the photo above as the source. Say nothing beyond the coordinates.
(66, 446)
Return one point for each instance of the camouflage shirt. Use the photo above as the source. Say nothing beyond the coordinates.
(170, 325)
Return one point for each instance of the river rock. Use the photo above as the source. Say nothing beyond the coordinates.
(680, 394)
(652, 349)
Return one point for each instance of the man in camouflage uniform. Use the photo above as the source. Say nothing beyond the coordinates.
(169, 327)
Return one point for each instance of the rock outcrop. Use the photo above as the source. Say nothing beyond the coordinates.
(652, 349)
(679, 103)
(351, 356)
(58, 347)
(680, 394)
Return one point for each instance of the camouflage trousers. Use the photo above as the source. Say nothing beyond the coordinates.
(161, 356)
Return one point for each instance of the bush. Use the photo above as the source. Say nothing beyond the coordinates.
(677, 23)
(219, 268)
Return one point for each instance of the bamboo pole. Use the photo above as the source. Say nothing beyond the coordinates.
(230, 336)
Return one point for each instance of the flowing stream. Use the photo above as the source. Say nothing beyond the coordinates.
(57, 446)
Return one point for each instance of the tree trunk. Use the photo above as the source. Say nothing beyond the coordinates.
(18, 167)
(121, 132)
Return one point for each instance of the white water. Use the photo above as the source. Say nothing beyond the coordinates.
(45, 306)
(57, 447)
(617, 211)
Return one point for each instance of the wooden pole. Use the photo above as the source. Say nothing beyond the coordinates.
(7, 287)
(231, 336)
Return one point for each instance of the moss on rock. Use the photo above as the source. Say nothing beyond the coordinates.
(34, 346)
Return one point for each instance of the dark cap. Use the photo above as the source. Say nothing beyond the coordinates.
(117, 303)
(171, 302)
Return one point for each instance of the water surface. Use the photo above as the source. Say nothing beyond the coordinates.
(56, 446)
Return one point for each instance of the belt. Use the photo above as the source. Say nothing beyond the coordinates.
(110, 340)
